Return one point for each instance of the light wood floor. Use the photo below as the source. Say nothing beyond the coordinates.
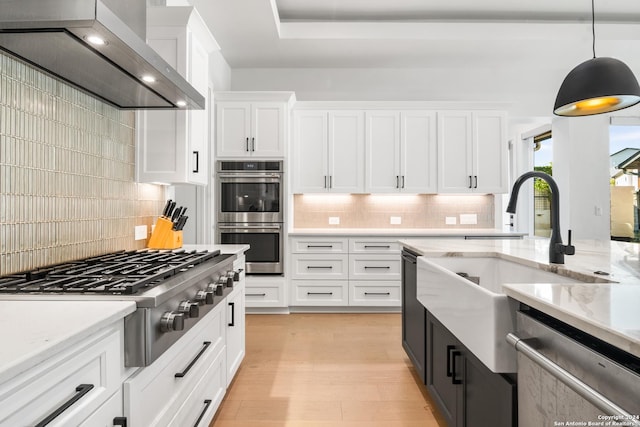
(329, 370)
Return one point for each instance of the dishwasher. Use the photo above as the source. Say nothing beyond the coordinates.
(569, 378)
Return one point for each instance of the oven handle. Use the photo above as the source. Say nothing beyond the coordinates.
(252, 227)
(269, 177)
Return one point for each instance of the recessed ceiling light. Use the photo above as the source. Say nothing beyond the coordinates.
(148, 78)
(181, 104)
(96, 40)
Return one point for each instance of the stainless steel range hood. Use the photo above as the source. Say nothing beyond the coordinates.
(56, 36)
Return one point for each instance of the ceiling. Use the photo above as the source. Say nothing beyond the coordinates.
(531, 39)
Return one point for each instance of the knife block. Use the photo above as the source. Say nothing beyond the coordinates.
(164, 237)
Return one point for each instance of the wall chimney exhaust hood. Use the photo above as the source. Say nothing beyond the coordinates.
(97, 46)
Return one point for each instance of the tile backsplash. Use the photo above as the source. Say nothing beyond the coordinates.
(67, 173)
(375, 211)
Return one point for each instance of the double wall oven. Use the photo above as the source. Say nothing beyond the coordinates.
(249, 209)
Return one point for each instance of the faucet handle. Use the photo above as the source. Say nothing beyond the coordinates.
(569, 249)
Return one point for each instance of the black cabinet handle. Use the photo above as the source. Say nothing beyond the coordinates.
(402, 181)
(256, 295)
(385, 267)
(81, 390)
(319, 293)
(454, 354)
(205, 345)
(325, 181)
(320, 246)
(450, 348)
(470, 181)
(475, 177)
(247, 143)
(319, 266)
(377, 246)
(330, 181)
(253, 144)
(377, 293)
(197, 159)
(207, 403)
(397, 181)
(233, 313)
(120, 421)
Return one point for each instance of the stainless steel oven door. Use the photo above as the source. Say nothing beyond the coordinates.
(244, 197)
(266, 240)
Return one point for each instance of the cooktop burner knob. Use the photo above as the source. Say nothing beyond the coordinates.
(204, 297)
(226, 281)
(189, 309)
(171, 321)
(219, 290)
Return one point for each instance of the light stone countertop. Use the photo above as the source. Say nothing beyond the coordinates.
(33, 331)
(224, 249)
(609, 311)
(404, 232)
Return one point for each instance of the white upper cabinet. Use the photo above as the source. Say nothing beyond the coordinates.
(252, 125)
(401, 152)
(173, 144)
(328, 151)
(472, 152)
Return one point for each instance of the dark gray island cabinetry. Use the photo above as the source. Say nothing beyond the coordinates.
(413, 315)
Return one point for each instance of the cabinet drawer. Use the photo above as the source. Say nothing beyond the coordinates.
(378, 246)
(317, 293)
(91, 372)
(319, 266)
(109, 410)
(375, 267)
(202, 403)
(319, 245)
(155, 393)
(379, 293)
(264, 296)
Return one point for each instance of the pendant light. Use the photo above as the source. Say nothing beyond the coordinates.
(599, 85)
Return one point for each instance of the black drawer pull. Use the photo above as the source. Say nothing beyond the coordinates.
(233, 313)
(81, 390)
(207, 403)
(377, 246)
(320, 266)
(120, 421)
(449, 349)
(454, 354)
(256, 295)
(197, 161)
(319, 293)
(205, 345)
(320, 246)
(385, 267)
(377, 293)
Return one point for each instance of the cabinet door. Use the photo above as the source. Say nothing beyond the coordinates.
(382, 146)
(489, 398)
(455, 174)
(490, 152)
(267, 129)
(197, 131)
(233, 120)
(418, 161)
(235, 331)
(310, 152)
(444, 369)
(346, 151)
(414, 317)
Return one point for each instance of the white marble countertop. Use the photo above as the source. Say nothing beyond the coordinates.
(608, 311)
(33, 331)
(404, 232)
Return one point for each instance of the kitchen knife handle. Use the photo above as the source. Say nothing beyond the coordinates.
(197, 161)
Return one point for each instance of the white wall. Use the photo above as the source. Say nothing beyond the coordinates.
(220, 72)
(581, 169)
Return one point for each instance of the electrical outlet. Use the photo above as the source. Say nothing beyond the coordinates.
(450, 220)
(334, 220)
(468, 219)
(140, 232)
(395, 220)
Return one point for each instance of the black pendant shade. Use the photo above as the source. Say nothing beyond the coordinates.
(599, 85)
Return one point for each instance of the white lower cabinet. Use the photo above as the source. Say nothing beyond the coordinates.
(235, 324)
(335, 271)
(108, 414)
(90, 372)
(265, 291)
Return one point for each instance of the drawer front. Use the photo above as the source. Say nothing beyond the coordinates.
(375, 267)
(315, 293)
(156, 392)
(202, 403)
(372, 294)
(104, 416)
(90, 372)
(319, 245)
(375, 246)
(264, 296)
(320, 266)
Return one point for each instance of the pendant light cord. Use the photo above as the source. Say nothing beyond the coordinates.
(593, 27)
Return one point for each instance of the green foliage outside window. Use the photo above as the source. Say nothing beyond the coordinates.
(541, 188)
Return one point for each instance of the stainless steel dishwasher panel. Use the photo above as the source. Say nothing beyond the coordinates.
(547, 396)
